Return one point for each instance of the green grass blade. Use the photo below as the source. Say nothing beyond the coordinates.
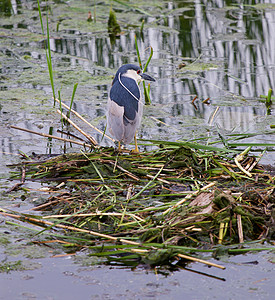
(40, 16)
(251, 144)
(191, 145)
(72, 99)
(146, 95)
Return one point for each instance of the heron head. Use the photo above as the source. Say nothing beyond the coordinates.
(134, 72)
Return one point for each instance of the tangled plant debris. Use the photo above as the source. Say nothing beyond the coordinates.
(168, 202)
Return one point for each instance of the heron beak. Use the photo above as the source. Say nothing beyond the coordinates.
(147, 77)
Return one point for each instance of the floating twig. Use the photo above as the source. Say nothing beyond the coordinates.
(200, 261)
(52, 136)
(193, 102)
(206, 101)
(212, 117)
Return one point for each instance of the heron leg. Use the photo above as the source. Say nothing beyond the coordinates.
(119, 147)
(136, 146)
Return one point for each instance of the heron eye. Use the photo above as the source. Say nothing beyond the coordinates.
(138, 71)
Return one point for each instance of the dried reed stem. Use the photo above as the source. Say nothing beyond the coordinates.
(52, 136)
(240, 228)
(101, 235)
(84, 120)
(94, 214)
(144, 251)
(90, 138)
(201, 261)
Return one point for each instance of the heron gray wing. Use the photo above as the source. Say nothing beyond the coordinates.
(131, 128)
(115, 120)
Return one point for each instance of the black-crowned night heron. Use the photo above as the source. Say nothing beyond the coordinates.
(125, 107)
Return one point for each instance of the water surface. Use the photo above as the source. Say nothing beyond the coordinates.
(229, 53)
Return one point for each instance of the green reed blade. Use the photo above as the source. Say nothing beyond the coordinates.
(72, 99)
(49, 58)
(138, 54)
(149, 59)
(40, 16)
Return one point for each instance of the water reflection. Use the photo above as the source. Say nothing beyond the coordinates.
(237, 43)
(228, 49)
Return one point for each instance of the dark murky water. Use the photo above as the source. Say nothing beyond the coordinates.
(229, 53)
